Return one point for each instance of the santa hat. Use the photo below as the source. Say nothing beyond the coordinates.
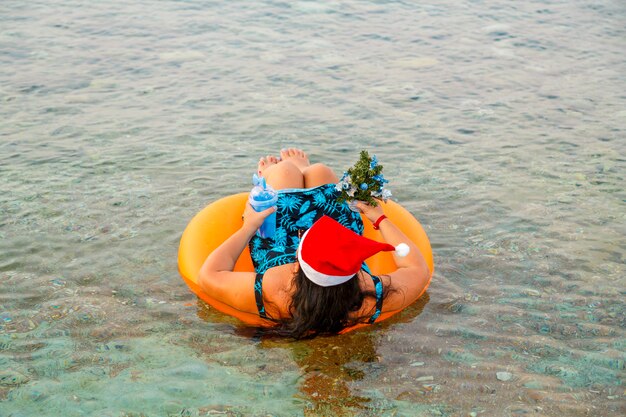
(331, 254)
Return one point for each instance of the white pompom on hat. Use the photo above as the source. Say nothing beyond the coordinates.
(330, 254)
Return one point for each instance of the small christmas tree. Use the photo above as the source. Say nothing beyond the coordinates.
(363, 182)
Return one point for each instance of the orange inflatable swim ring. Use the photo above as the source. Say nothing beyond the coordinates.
(220, 219)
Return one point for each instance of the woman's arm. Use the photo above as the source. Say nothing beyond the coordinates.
(394, 237)
(224, 257)
(412, 274)
(216, 274)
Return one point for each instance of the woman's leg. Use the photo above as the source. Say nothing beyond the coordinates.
(319, 174)
(296, 157)
(280, 174)
(314, 175)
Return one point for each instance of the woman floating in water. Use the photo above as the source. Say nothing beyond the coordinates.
(311, 278)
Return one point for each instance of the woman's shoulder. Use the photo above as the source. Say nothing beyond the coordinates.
(368, 285)
(366, 281)
(278, 289)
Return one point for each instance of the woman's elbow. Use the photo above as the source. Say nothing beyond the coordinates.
(206, 280)
(418, 271)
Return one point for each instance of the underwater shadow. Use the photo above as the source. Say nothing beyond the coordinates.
(329, 364)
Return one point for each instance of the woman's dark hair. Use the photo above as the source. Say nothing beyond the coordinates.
(318, 310)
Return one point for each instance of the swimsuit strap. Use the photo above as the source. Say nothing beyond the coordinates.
(258, 295)
(378, 285)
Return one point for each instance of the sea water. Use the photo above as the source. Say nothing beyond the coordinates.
(500, 124)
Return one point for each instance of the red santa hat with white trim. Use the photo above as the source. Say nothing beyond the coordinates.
(330, 254)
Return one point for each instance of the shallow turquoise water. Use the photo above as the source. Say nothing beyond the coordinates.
(501, 125)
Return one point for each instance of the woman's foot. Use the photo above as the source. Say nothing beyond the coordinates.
(296, 157)
(266, 162)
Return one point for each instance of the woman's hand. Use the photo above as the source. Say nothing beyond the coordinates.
(252, 219)
(372, 213)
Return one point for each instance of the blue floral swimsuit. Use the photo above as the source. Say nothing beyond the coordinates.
(297, 210)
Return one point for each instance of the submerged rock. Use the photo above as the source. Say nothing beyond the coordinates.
(504, 376)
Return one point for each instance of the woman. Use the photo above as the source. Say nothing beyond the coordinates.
(285, 288)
